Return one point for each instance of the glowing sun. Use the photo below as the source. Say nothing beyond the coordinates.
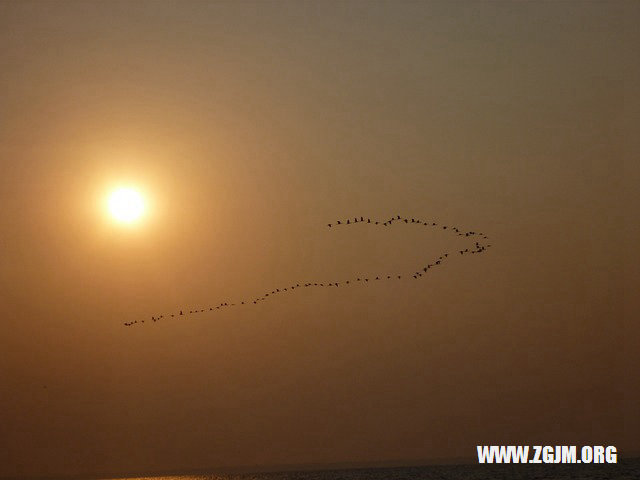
(126, 205)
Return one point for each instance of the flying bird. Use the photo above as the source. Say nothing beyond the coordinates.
(478, 248)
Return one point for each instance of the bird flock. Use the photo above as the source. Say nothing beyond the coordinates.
(478, 244)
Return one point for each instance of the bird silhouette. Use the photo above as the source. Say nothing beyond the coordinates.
(477, 248)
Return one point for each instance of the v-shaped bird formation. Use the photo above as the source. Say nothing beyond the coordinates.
(477, 244)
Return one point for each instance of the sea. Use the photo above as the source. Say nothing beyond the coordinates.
(627, 469)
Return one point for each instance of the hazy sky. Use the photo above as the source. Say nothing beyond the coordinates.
(249, 127)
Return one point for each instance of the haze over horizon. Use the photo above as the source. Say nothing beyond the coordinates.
(247, 127)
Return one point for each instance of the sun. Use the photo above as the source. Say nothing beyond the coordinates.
(126, 205)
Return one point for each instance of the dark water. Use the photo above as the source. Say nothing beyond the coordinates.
(626, 469)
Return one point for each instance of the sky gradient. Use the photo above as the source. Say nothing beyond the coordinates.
(251, 125)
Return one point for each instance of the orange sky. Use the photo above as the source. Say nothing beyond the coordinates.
(250, 126)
